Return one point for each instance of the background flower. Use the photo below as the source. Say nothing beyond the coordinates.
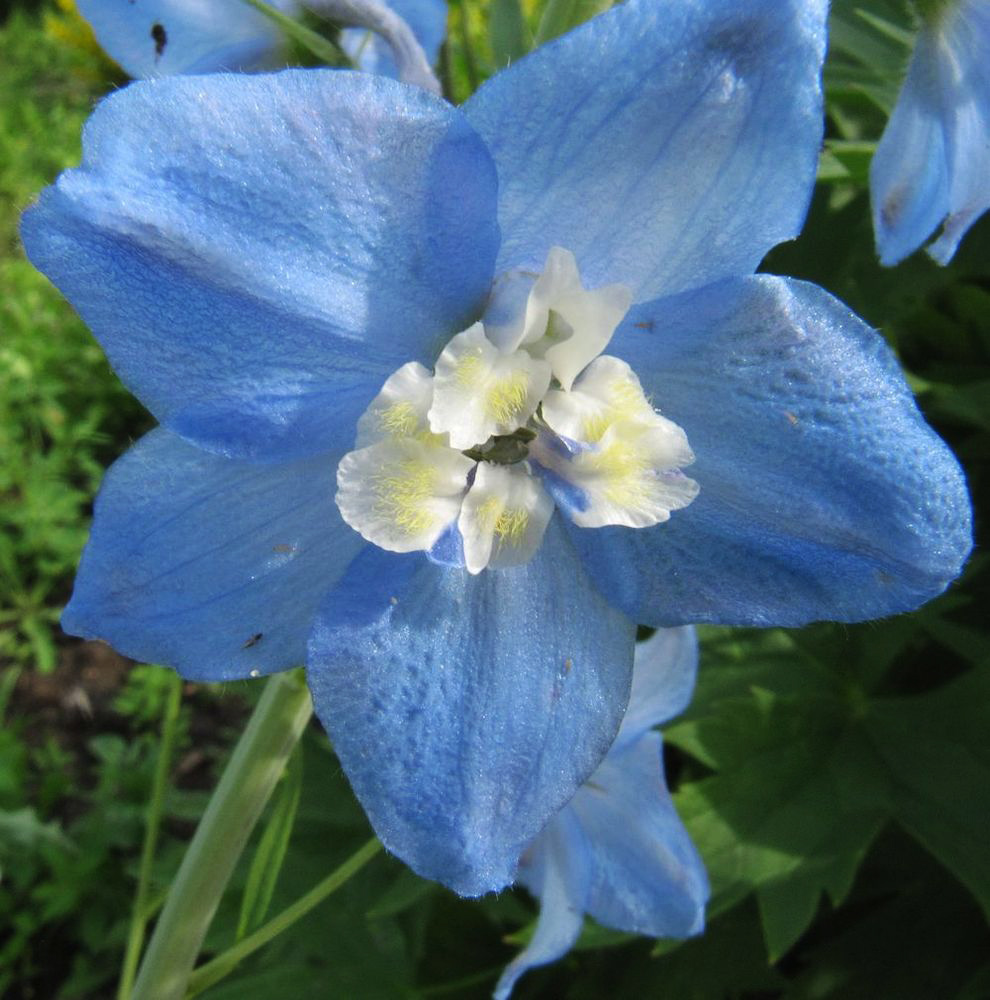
(932, 166)
(162, 37)
(618, 851)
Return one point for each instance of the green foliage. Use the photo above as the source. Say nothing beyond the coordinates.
(63, 416)
(836, 780)
(811, 764)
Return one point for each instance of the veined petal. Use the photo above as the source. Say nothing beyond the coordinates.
(647, 876)
(664, 671)
(503, 517)
(164, 37)
(824, 495)
(467, 709)
(249, 319)
(401, 493)
(212, 565)
(557, 870)
(689, 152)
(479, 392)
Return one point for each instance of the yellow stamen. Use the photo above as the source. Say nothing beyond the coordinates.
(624, 468)
(399, 419)
(505, 400)
(511, 525)
(404, 496)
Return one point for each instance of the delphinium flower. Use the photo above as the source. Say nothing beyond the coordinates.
(932, 166)
(618, 850)
(409, 361)
(154, 38)
(162, 37)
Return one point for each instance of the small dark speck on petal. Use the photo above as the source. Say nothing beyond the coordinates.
(161, 39)
(253, 641)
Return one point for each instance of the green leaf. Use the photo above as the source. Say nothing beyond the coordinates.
(507, 31)
(268, 859)
(809, 767)
(937, 748)
(22, 830)
(562, 15)
(321, 47)
(407, 890)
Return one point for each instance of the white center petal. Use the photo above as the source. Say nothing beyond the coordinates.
(622, 479)
(503, 517)
(607, 392)
(566, 323)
(402, 493)
(466, 462)
(479, 392)
(400, 409)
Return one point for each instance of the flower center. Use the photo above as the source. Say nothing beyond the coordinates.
(522, 413)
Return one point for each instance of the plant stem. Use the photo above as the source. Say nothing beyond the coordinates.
(249, 779)
(139, 917)
(212, 972)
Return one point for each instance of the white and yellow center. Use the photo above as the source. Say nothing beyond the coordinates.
(518, 403)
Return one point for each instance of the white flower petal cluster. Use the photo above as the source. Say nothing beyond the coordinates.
(521, 410)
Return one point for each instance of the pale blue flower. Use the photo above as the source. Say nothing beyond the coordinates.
(618, 850)
(266, 258)
(932, 166)
(150, 38)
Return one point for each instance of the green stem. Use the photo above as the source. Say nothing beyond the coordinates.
(247, 783)
(212, 972)
(139, 917)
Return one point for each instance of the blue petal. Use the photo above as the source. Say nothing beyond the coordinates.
(909, 182)
(214, 566)
(466, 710)
(647, 876)
(557, 870)
(965, 70)
(257, 254)
(933, 161)
(428, 20)
(667, 145)
(163, 37)
(664, 671)
(824, 495)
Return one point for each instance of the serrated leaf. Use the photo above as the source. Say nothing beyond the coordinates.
(809, 767)
(22, 830)
(938, 750)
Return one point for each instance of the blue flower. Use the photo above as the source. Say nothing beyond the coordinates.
(163, 37)
(275, 264)
(932, 166)
(618, 850)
